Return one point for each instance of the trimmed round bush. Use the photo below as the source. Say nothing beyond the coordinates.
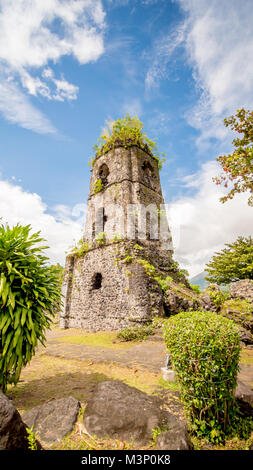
(29, 294)
(205, 350)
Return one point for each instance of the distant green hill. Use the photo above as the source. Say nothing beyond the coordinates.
(199, 280)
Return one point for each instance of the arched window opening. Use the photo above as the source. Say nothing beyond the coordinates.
(103, 173)
(96, 282)
(148, 172)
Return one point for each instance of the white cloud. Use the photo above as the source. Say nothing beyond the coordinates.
(34, 34)
(51, 88)
(201, 224)
(17, 109)
(29, 36)
(219, 43)
(161, 55)
(60, 229)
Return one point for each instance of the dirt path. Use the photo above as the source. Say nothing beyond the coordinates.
(149, 354)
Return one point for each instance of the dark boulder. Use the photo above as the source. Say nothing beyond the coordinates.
(119, 411)
(53, 420)
(176, 438)
(13, 435)
(244, 392)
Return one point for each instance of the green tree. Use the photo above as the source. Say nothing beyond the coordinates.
(238, 166)
(29, 294)
(232, 263)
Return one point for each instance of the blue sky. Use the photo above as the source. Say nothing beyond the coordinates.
(66, 67)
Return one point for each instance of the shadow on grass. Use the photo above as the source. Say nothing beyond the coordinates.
(80, 385)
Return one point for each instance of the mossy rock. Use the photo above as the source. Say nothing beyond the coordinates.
(240, 311)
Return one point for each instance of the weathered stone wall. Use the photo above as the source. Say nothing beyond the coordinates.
(127, 295)
(133, 178)
(102, 290)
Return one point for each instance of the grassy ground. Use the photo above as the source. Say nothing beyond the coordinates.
(246, 356)
(102, 339)
(48, 377)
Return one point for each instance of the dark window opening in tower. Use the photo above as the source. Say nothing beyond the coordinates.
(96, 281)
(148, 227)
(148, 173)
(93, 230)
(104, 219)
(103, 173)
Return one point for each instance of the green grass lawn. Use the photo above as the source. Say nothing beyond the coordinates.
(103, 339)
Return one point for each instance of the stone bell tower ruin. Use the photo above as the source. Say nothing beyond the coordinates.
(114, 281)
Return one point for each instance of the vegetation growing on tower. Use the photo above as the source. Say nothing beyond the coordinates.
(127, 132)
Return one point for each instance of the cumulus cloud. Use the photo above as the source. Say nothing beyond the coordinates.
(34, 34)
(60, 229)
(201, 224)
(219, 43)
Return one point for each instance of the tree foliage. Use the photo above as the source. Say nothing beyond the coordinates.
(233, 263)
(238, 166)
(127, 131)
(29, 294)
(58, 270)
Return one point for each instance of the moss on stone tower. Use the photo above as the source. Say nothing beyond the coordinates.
(117, 277)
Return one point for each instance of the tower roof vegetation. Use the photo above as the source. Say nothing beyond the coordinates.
(126, 132)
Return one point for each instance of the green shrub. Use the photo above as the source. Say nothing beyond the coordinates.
(128, 259)
(137, 333)
(117, 237)
(32, 439)
(217, 297)
(149, 268)
(163, 283)
(205, 349)
(80, 249)
(127, 131)
(138, 247)
(98, 186)
(101, 238)
(195, 288)
(29, 295)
